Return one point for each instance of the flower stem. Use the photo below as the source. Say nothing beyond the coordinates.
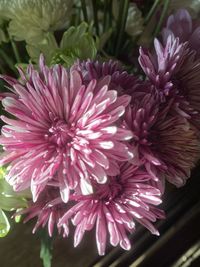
(163, 14)
(46, 249)
(95, 11)
(151, 12)
(15, 50)
(105, 16)
(84, 9)
(122, 17)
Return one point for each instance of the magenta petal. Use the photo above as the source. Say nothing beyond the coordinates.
(101, 234)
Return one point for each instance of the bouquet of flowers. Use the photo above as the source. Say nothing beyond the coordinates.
(100, 108)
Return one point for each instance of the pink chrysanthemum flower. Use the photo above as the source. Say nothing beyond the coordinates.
(121, 80)
(182, 26)
(115, 207)
(160, 66)
(167, 145)
(175, 74)
(48, 209)
(64, 133)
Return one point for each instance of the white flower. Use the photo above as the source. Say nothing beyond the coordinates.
(31, 19)
(134, 23)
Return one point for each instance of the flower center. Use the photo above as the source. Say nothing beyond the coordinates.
(111, 190)
(61, 133)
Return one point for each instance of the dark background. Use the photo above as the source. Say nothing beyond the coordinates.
(177, 246)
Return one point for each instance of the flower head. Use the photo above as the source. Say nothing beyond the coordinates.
(48, 209)
(115, 207)
(182, 26)
(174, 73)
(166, 144)
(64, 133)
(121, 80)
(31, 19)
(192, 5)
(134, 23)
(160, 66)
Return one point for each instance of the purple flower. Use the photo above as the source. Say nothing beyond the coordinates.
(174, 74)
(64, 133)
(166, 144)
(48, 209)
(182, 26)
(163, 64)
(121, 80)
(115, 207)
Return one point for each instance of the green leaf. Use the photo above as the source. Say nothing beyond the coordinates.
(10, 200)
(2, 173)
(46, 45)
(12, 203)
(72, 35)
(104, 38)
(4, 224)
(45, 249)
(3, 37)
(80, 39)
(76, 43)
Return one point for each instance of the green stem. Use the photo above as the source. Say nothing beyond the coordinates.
(151, 12)
(164, 11)
(15, 50)
(122, 17)
(77, 18)
(95, 11)
(46, 248)
(8, 61)
(107, 25)
(105, 17)
(84, 9)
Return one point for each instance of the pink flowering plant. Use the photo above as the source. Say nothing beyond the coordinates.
(97, 116)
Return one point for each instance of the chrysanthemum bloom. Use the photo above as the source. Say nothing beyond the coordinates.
(167, 145)
(48, 209)
(121, 80)
(160, 66)
(175, 73)
(182, 26)
(64, 133)
(115, 207)
(31, 19)
(192, 5)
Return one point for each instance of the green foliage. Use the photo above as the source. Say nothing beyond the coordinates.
(76, 43)
(4, 224)
(45, 249)
(9, 200)
(3, 36)
(46, 45)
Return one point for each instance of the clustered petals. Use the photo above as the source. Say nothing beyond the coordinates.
(158, 138)
(66, 132)
(95, 144)
(114, 209)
